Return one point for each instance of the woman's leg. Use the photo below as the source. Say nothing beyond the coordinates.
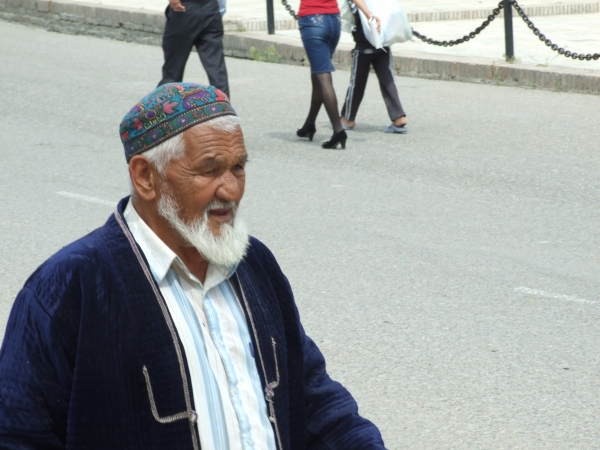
(315, 102)
(334, 26)
(323, 93)
(329, 99)
(311, 32)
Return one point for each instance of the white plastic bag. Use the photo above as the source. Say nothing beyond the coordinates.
(377, 41)
(394, 23)
(347, 17)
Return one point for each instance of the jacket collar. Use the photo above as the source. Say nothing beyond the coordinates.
(159, 256)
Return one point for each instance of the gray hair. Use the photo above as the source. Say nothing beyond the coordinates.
(174, 148)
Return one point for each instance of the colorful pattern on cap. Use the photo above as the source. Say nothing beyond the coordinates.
(169, 110)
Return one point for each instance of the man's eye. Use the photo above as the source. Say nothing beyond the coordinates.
(209, 172)
(237, 168)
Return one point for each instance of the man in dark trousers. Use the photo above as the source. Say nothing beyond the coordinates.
(195, 23)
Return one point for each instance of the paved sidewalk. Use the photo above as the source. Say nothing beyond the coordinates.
(248, 10)
(577, 33)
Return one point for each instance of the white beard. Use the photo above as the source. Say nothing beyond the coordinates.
(225, 250)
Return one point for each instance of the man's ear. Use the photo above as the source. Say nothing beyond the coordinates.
(144, 178)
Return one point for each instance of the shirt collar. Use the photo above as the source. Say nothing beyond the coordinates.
(160, 257)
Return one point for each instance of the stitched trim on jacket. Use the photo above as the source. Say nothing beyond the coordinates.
(190, 414)
(269, 388)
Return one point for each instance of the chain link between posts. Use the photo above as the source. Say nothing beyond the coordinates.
(465, 38)
(483, 26)
(548, 42)
(289, 9)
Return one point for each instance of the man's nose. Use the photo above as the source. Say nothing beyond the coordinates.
(231, 187)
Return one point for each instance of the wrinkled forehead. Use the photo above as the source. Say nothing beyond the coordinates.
(221, 142)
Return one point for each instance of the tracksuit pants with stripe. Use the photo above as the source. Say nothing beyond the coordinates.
(361, 64)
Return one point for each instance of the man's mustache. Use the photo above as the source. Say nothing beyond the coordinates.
(218, 204)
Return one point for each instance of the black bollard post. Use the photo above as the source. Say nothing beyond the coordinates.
(270, 17)
(508, 31)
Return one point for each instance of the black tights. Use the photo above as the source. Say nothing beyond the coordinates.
(323, 93)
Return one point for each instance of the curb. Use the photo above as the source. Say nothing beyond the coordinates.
(133, 25)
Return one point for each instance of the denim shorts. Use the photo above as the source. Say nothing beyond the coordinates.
(320, 36)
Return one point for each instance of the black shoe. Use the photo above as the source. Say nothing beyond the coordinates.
(337, 138)
(308, 130)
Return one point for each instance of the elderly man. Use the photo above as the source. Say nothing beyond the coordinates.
(169, 327)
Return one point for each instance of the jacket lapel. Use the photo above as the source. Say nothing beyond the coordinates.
(263, 316)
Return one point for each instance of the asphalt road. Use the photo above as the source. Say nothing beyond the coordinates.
(450, 275)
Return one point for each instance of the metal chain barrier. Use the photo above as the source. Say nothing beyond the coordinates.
(289, 9)
(465, 38)
(548, 42)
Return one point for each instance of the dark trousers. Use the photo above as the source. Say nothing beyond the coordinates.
(361, 64)
(201, 26)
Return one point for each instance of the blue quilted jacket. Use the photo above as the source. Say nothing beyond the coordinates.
(91, 358)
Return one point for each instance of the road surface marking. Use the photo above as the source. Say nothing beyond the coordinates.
(568, 298)
(85, 198)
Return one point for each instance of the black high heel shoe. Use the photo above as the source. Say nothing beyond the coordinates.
(308, 130)
(337, 138)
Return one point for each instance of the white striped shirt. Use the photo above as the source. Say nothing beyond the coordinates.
(228, 397)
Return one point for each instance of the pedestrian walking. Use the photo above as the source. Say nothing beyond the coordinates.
(364, 56)
(196, 23)
(320, 29)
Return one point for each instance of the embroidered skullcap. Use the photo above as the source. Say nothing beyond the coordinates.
(169, 110)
